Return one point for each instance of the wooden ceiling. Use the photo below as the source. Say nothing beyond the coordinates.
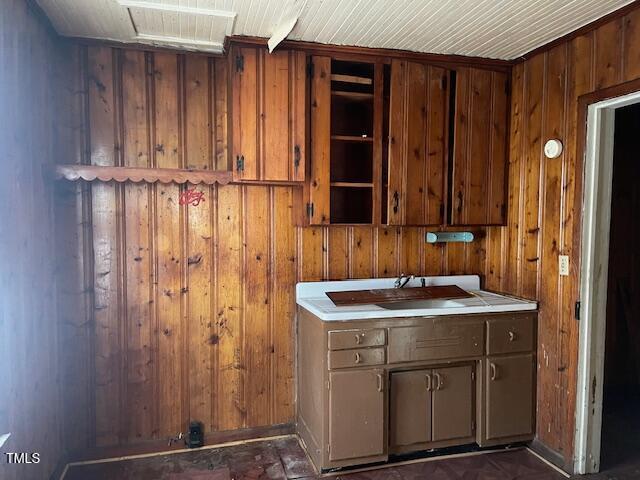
(501, 29)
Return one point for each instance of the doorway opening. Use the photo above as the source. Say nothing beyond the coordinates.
(620, 413)
(608, 394)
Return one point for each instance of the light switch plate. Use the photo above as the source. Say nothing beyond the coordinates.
(563, 265)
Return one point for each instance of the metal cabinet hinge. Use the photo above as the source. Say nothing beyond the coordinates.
(240, 163)
(473, 375)
(328, 384)
(239, 63)
(310, 210)
(296, 156)
(576, 311)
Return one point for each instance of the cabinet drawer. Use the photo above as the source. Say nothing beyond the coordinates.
(510, 335)
(345, 339)
(437, 339)
(356, 358)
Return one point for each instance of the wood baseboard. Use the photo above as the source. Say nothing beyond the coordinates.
(550, 455)
(155, 446)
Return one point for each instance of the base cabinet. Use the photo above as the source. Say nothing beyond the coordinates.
(509, 396)
(357, 414)
(372, 388)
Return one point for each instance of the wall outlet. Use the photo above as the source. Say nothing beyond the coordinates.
(563, 265)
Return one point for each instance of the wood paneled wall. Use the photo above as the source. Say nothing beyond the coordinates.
(544, 212)
(33, 89)
(192, 312)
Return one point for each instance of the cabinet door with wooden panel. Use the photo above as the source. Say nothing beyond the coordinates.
(417, 144)
(357, 414)
(410, 408)
(509, 396)
(478, 189)
(268, 114)
(453, 389)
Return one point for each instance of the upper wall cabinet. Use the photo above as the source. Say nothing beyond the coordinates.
(417, 144)
(347, 141)
(480, 148)
(268, 114)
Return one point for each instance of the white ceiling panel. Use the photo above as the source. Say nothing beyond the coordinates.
(503, 29)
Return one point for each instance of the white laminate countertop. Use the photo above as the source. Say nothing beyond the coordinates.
(312, 296)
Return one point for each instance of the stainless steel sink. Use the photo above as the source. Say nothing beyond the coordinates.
(420, 304)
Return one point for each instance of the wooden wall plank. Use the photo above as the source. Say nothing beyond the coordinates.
(202, 333)
(529, 234)
(608, 54)
(169, 236)
(553, 127)
(361, 252)
(338, 253)
(199, 128)
(220, 104)
(138, 255)
(283, 277)
(231, 410)
(257, 311)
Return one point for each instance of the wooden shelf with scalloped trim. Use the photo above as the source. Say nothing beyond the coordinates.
(92, 173)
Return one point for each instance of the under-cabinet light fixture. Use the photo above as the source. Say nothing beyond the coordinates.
(446, 237)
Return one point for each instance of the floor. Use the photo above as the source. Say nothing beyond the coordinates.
(284, 459)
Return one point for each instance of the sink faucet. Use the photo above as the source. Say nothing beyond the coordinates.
(402, 280)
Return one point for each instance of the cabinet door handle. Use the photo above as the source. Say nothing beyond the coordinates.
(379, 375)
(439, 383)
(396, 201)
(512, 336)
(358, 359)
(494, 371)
(428, 380)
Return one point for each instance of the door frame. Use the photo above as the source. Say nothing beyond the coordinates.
(596, 111)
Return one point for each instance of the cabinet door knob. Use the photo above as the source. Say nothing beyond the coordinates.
(428, 380)
(512, 336)
(358, 359)
(494, 371)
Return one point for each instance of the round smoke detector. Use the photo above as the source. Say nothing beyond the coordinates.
(553, 148)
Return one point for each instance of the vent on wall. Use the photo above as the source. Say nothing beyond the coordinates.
(177, 25)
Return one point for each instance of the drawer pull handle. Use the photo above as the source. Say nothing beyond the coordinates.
(428, 380)
(494, 371)
(379, 375)
(439, 383)
(512, 336)
(357, 339)
(358, 359)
